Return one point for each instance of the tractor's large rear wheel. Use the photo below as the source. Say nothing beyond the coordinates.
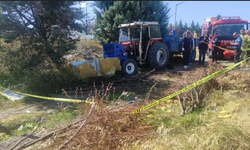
(158, 56)
(129, 67)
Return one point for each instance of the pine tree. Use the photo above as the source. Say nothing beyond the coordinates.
(181, 27)
(103, 4)
(157, 11)
(198, 29)
(120, 12)
(185, 27)
(193, 27)
(106, 29)
(32, 22)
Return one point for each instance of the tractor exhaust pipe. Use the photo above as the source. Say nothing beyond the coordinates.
(140, 45)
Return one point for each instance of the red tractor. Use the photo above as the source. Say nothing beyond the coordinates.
(225, 27)
(139, 42)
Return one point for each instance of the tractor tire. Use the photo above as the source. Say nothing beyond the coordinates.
(129, 67)
(158, 56)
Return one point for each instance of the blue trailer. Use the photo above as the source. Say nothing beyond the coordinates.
(174, 44)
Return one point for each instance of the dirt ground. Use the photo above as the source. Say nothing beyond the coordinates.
(121, 84)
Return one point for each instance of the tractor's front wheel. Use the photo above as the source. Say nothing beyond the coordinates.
(158, 56)
(129, 67)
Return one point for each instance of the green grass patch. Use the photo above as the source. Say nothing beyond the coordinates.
(9, 127)
(172, 119)
(61, 117)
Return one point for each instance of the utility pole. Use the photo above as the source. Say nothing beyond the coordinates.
(176, 11)
(87, 18)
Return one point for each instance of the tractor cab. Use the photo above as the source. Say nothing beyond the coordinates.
(139, 42)
(136, 38)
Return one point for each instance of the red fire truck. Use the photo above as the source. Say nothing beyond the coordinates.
(225, 27)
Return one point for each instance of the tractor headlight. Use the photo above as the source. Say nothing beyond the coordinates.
(125, 54)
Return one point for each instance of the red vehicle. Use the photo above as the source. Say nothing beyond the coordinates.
(225, 27)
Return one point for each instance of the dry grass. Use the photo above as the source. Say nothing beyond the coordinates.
(226, 128)
(9, 46)
(104, 129)
(86, 50)
(223, 122)
(5, 47)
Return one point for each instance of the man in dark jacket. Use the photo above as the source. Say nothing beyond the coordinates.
(215, 42)
(186, 48)
(203, 46)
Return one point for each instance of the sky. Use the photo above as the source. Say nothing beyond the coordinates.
(199, 10)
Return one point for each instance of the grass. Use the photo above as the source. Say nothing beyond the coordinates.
(222, 124)
(42, 83)
(63, 115)
(85, 50)
(9, 126)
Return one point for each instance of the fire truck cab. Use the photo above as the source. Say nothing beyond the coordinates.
(225, 27)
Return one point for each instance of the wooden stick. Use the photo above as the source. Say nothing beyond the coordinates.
(90, 112)
(26, 136)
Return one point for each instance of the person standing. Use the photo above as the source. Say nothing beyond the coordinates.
(237, 47)
(244, 47)
(193, 48)
(195, 34)
(248, 34)
(216, 43)
(242, 33)
(203, 46)
(186, 48)
(173, 31)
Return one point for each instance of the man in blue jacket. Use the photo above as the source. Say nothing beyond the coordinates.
(237, 47)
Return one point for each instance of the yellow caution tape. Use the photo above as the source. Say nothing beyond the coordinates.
(150, 116)
(225, 116)
(50, 98)
(207, 78)
(224, 48)
(222, 112)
